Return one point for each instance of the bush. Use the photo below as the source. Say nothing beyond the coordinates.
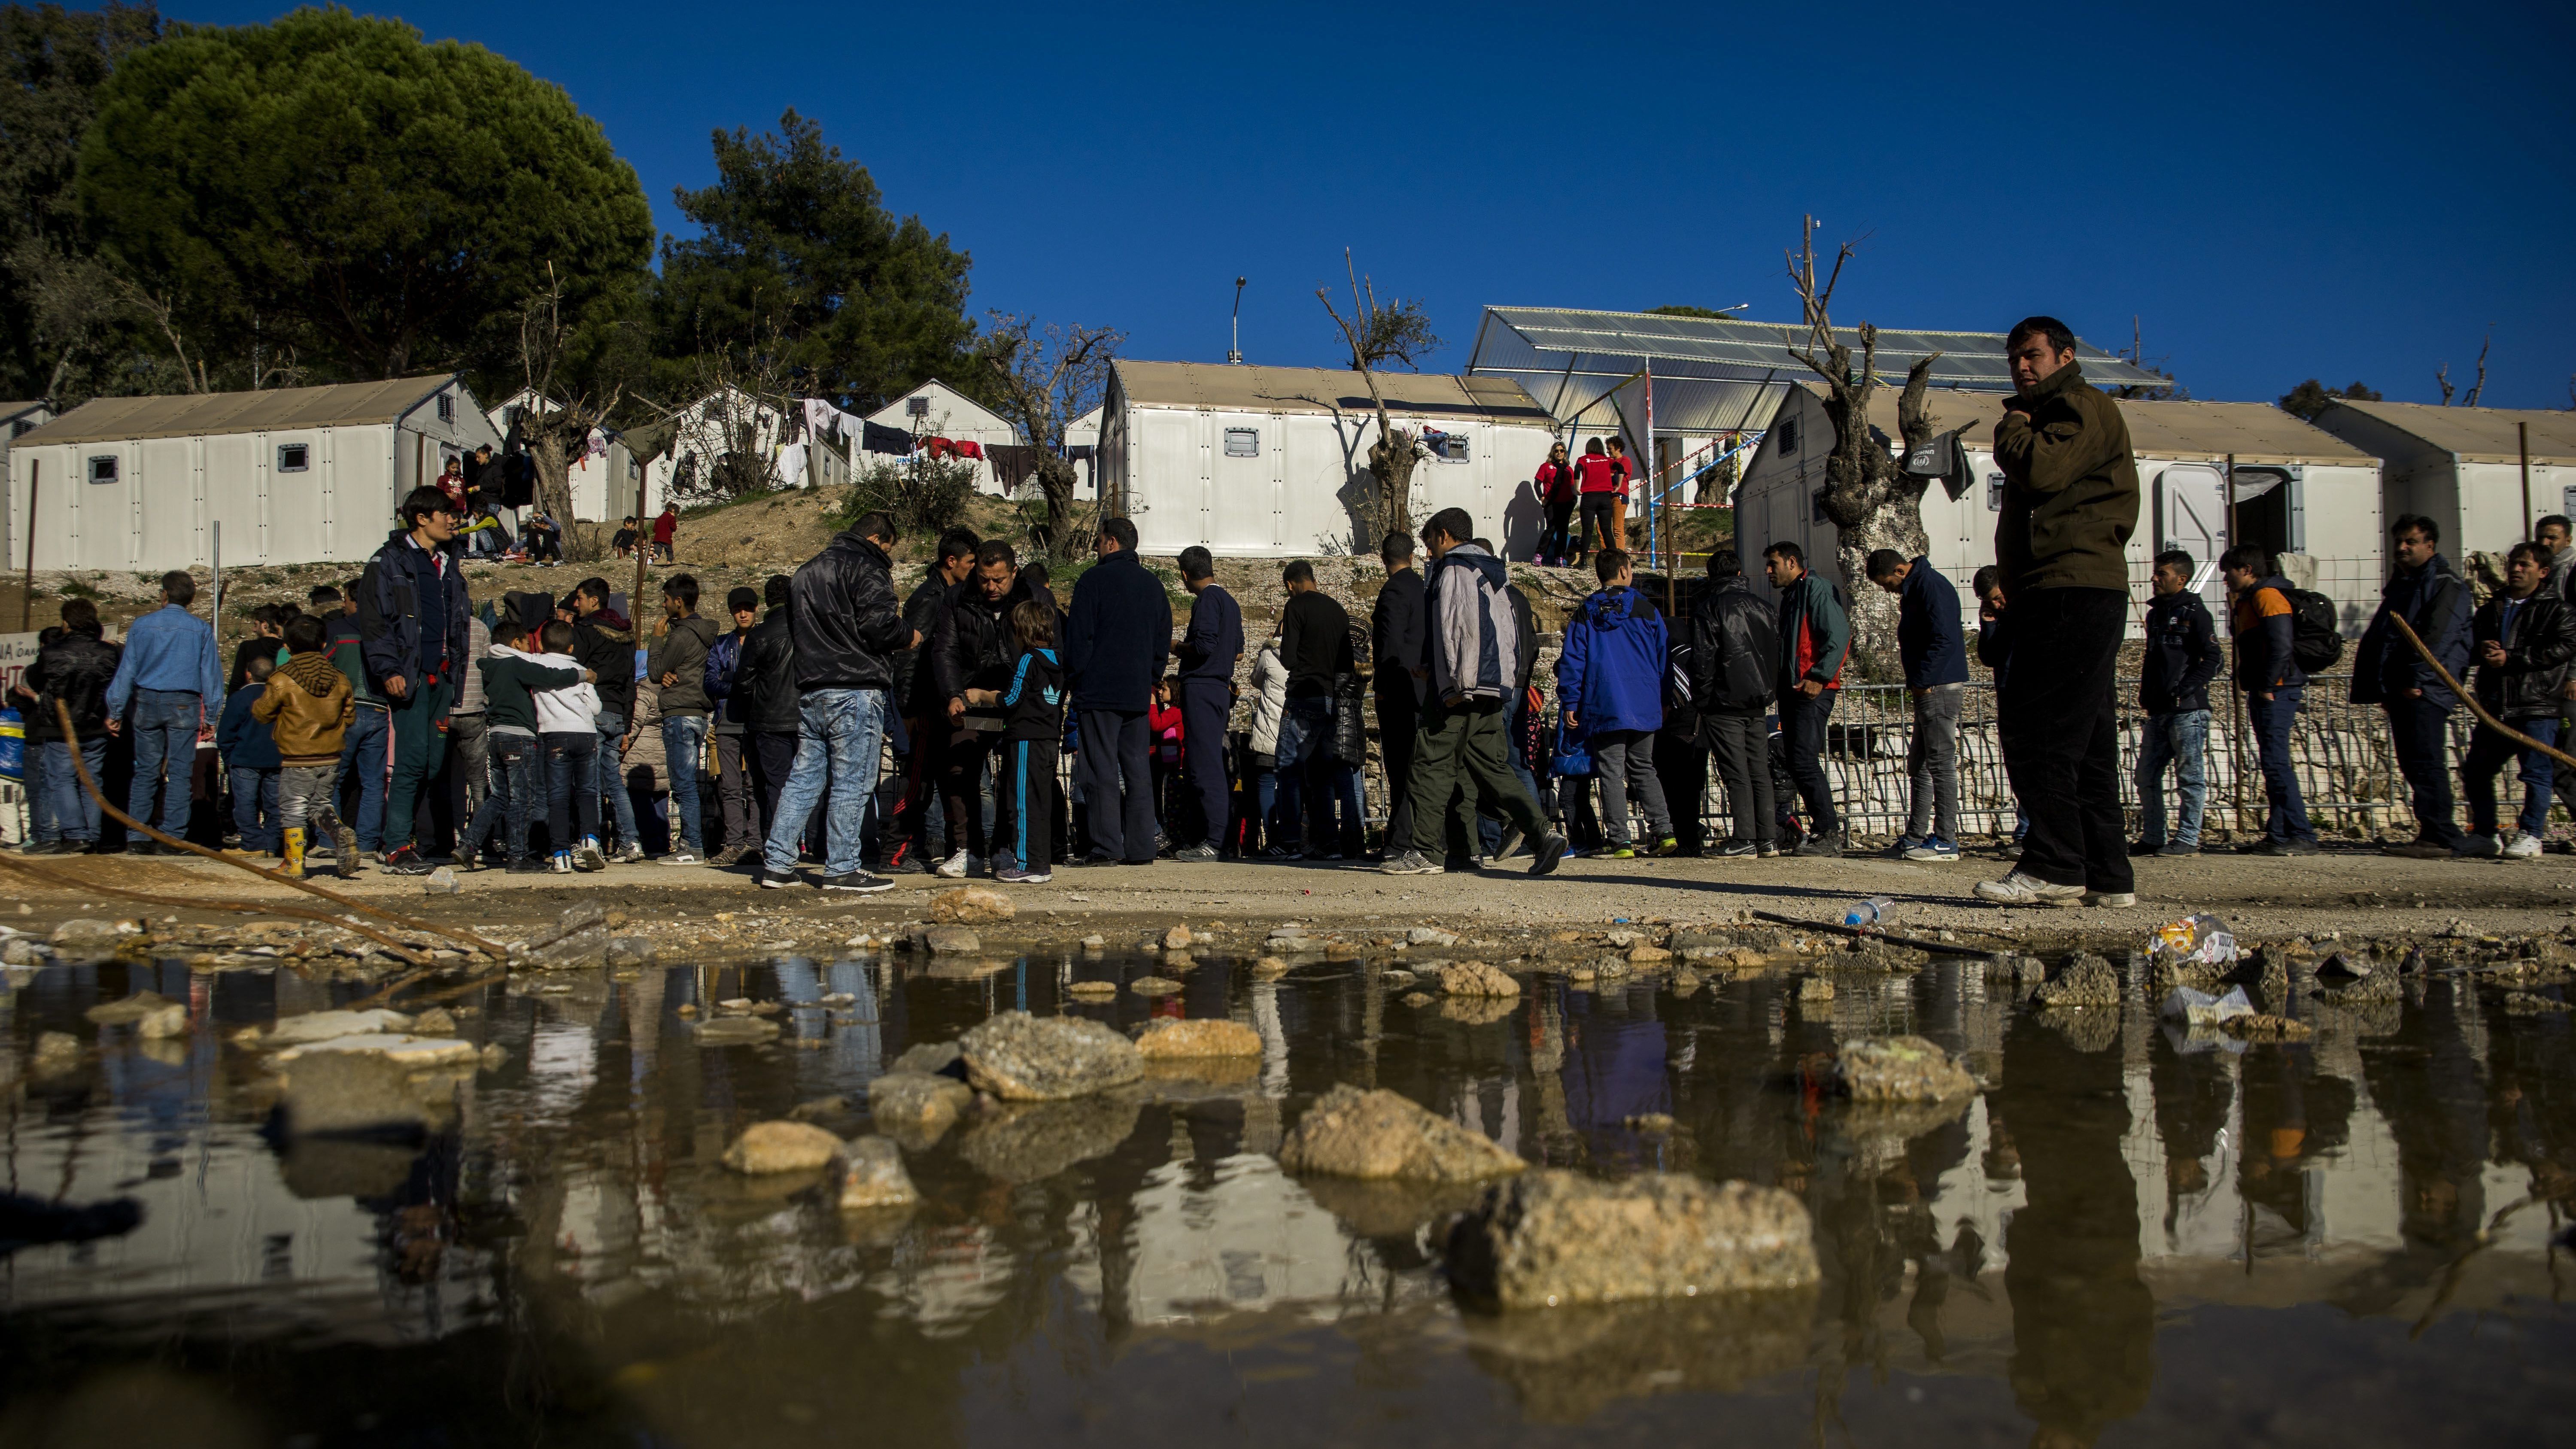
(923, 496)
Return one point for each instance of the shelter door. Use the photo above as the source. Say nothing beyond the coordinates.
(1172, 463)
(2191, 515)
(1243, 496)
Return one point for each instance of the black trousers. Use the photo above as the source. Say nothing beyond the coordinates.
(2060, 736)
(1742, 745)
(1600, 512)
(1557, 543)
(1117, 754)
(1205, 703)
(1681, 767)
(1024, 797)
(2421, 731)
(1398, 717)
(1802, 727)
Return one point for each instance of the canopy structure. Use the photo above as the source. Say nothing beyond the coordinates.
(1714, 376)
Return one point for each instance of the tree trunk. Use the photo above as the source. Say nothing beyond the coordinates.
(1871, 503)
(1057, 479)
(1390, 462)
(554, 473)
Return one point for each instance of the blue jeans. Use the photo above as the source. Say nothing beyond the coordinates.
(608, 777)
(2272, 718)
(364, 758)
(65, 811)
(164, 725)
(684, 741)
(512, 799)
(839, 742)
(2181, 739)
(2488, 752)
(255, 809)
(572, 811)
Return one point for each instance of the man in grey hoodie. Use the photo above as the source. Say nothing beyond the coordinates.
(1470, 663)
(679, 667)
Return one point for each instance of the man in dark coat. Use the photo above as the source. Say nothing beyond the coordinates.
(2183, 656)
(2523, 637)
(1117, 635)
(2435, 602)
(848, 637)
(414, 621)
(766, 684)
(923, 708)
(1735, 652)
(1395, 642)
(73, 665)
(1207, 653)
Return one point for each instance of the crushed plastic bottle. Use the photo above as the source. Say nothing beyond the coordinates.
(1869, 912)
(2202, 939)
(2199, 1008)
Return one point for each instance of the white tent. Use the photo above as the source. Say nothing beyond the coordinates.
(1272, 462)
(936, 410)
(2298, 491)
(292, 475)
(2464, 468)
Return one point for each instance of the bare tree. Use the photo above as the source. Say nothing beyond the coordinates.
(574, 386)
(1044, 377)
(1871, 502)
(2442, 376)
(1376, 333)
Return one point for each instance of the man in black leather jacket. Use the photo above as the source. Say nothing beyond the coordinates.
(1735, 648)
(765, 681)
(2522, 638)
(73, 665)
(923, 707)
(847, 633)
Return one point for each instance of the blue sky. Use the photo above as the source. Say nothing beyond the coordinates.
(2277, 192)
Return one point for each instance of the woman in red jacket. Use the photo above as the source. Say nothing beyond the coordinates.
(1555, 482)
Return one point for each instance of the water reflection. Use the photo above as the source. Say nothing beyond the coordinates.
(2028, 1263)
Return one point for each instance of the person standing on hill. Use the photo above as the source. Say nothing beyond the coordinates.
(1559, 488)
(1314, 642)
(678, 665)
(1599, 494)
(2070, 503)
(846, 632)
(1117, 637)
(1207, 653)
(924, 708)
(2524, 637)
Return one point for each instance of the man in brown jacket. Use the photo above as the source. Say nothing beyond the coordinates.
(2070, 504)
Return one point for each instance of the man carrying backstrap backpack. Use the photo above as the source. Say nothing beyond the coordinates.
(1735, 652)
(2267, 669)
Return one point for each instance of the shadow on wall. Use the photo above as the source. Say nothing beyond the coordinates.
(1524, 519)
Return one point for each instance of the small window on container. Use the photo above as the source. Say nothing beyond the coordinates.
(102, 468)
(1455, 450)
(19, 428)
(1243, 442)
(1789, 437)
(1816, 507)
(446, 408)
(294, 457)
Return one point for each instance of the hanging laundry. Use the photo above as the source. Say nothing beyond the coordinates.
(1013, 463)
(969, 448)
(878, 438)
(937, 448)
(791, 465)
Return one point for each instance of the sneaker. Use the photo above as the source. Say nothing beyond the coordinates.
(953, 868)
(2477, 847)
(722, 858)
(1283, 852)
(775, 880)
(1669, 846)
(2292, 845)
(470, 862)
(1411, 862)
(631, 853)
(2007, 850)
(1730, 848)
(683, 856)
(1510, 844)
(1198, 854)
(2113, 900)
(1547, 853)
(1100, 857)
(2177, 847)
(857, 880)
(1821, 843)
(2146, 847)
(1013, 875)
(2419, 849)
(1619, 852)
(2018, 889)
(560, 862)
(2522, 846)
(1901, 850)
(345, 856)
(526, 865)
(589, 857)
(1934, 848)
(408, 861)
(1766, 849)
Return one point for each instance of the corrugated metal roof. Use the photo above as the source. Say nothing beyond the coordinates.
(10, 410)
(1325, 390)
(2254, 432)
(1735, 348)
(2479, 435)
(194, 415)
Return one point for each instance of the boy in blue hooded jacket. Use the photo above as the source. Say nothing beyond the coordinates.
(1610, 680)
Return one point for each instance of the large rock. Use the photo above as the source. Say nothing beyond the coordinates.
(937, 1058)
(2087, 980)
(329, 1025)
(1206, 1038)
(766, 1147)
(1026, 1058)
(916, 1106)
(951, 941)
(1553, 1238)
(727, 1031)
(1476, 978)
(872, 1175)
(412, 1053)
(1380, 1135)
(1037, 1140)
(365, 1094)
(1900, 1069)
(56, 1052)
(971, 906)
(167, 1022)
(88, 933)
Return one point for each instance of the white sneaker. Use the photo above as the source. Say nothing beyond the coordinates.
(630, 853)
(2520, 845)
(953, 868)
(2018, 889)
(2113, 899)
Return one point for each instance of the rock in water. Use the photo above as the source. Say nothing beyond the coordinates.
(328, 1025)
(1379, 1135)
(626, 953)
(361, 1093)
(1900, 1069)
(737, 1031)
(56, 1052)
(169, 1021)
(2086, 981)
(1168, 1038)
(1177, 939)
(437, 1021)
(578, 938)
(131, 1009)
(1815, 988)
(872, 1175)
(1269, 968)
(781, 1147)
(88, 933)
(1475, 978)
(951, 941)
(1025, 1058)
(938, 1058)
(971, 906)
(1429, 936)
(917, 1105)
(1153, 986)
(1552, 1238)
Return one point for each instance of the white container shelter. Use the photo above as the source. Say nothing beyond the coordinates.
(936, 410)
(2464, 467)
(293, 475)
(1272, 462)
(16, 418)
(2299, 491)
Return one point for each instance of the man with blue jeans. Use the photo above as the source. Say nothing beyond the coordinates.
(2524, 635)
(168, 673)
(72, 667)
(679, 668)
(413, 622)
(2267, 669)
(1935, 653)
(847, 630)
(2182, 658)
(363, 753)
(2433, 600)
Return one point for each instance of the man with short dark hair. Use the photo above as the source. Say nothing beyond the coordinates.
(2426, 592)
(604, 641)
(1815, 640)
(1315, 645)
(417, 641)
(678, 665)
(847, 632)
(1207, 652)
(2525, 636)
(1934, 652)
(73, 665)
(1395, 644)
(1735, 668)
(973, 650)
(731, 729)
(1117, 635)
(1470, 661)
(2070, 503)
(1609, 683)
(2267, 669)
(925, 709)
(168, 672)
(2182, 658)
(765, 682)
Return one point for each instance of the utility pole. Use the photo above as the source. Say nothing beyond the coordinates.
(1234, 354)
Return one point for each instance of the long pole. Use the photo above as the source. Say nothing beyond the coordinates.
(2235, 696)
(215, 614)
(2522, 437)
(27, 590)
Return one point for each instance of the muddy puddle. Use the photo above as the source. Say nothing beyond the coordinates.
(2127, 1235)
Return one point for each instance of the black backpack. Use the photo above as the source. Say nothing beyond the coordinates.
(2314, 641)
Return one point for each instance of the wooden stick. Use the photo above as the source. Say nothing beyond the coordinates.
(244, 908)
(2471, 700)
(71, 738)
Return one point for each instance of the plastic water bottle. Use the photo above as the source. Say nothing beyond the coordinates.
(1869, 912)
